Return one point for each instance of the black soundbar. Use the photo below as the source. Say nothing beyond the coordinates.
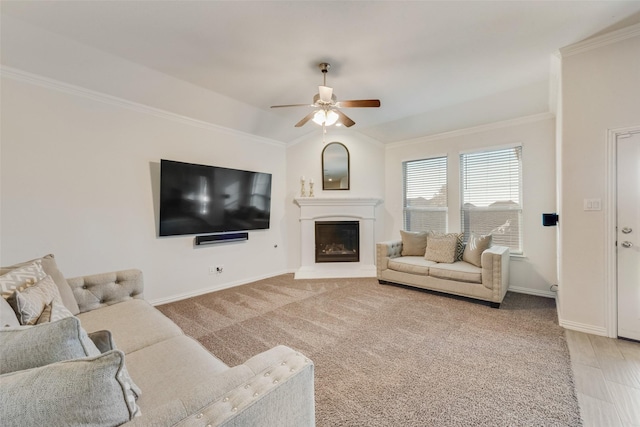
(221, 238)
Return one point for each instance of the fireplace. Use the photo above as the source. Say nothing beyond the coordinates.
(361, 212)
(337, 241)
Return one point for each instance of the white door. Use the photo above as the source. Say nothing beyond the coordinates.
(628, 237)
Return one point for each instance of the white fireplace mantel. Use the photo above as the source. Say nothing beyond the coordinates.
(337, 209)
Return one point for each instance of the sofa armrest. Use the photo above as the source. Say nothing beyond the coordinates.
(279, 392)
(100, 290)
(495, 270)
(385, 251)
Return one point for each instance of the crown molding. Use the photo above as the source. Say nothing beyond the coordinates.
(36, 79)
(599, 41)
(475, 129)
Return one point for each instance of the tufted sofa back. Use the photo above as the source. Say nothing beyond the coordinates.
(101, 290)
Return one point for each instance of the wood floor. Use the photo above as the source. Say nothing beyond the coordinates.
(607, 376)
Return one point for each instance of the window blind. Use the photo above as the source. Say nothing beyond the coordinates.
(491, 195)
(425, 194)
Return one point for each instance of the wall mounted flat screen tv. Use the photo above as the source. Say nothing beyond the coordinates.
(198, 199)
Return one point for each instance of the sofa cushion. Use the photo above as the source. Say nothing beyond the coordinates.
(88, 391)
(460, 271)
(48, 263)
(441, 248)
(27, 347)
(411, 264)
(414, 243)
(171, 370)
(20, 278)
(30, 303)
(134, 324)
(475, 246)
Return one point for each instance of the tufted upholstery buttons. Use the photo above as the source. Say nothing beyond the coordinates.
(84, 286)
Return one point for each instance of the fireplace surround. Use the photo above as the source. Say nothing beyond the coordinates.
(339, 209)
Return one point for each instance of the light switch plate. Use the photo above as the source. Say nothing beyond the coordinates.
(592, 204)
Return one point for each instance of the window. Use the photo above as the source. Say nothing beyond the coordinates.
(491, 195)
(425, 194)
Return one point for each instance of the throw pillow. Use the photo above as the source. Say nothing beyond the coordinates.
(103, 340)
(459, 242)
(475, 246)
(441, 248)
(20, 278)
(414, 243)
(27, 347)
(52, 312)
(8, 317)
(31, 302)
(51, 268)
(90, 391)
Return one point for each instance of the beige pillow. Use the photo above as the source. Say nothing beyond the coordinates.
(30, 303)
(21, 278)
(475, 246)
(51, 268)
(52, 312)
(414, 243)
(459, 242)
(441, 248)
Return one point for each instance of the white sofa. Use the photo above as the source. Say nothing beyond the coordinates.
(489, 282)
(181, 383)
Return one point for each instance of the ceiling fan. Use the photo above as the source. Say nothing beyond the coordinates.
(326, 106)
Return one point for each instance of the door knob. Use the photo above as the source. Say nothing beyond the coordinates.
(626, 230)
(627, 244)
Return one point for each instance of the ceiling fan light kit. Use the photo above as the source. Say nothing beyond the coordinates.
(326, 118)
(326, 106)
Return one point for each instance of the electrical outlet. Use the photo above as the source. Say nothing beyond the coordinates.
(219, 269)
(212, 269)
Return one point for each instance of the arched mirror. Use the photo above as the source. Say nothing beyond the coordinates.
(335, 167)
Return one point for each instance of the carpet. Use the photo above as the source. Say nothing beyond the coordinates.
(389, 355)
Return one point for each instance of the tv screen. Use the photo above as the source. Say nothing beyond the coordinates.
(198, 199)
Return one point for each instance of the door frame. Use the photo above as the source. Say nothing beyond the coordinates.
(610, 235)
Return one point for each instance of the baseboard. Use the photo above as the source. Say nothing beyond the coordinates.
(582, 327)
(537, 292)
(202, 291)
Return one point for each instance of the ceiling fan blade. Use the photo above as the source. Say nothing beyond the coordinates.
(359, 103)
(325, 93)
(291, 105)
(344, 120)
(305, 119)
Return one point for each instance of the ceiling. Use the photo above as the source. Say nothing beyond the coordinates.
(425, 60)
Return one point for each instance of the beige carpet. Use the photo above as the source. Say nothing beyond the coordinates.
(394, 356)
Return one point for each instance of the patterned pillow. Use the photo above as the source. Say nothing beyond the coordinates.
(30, 303)
(21, 278)
(89, 391)
(441, 248)
(53, 312)
(51, 268)
(414, 243)
(475, 246)
(459, 242)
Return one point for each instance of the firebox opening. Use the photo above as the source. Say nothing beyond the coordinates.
(337, 241)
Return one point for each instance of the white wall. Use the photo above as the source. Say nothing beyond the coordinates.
(534, 272)
(304, 158)
(600, 92)
(79, 175)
